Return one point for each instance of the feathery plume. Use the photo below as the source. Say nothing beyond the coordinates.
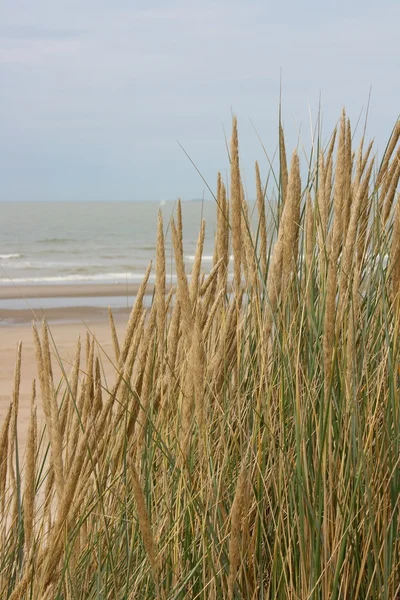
(388, 154)
(160, 290)
(395, 254)
(283, 164)
(145, 526)
(30, 472)
(134, 317)
(182, 288)
(238, 511)
(4, 437)
(291, 221)
(114, 334)
(195, 277)
(262, 222)
(236, 207)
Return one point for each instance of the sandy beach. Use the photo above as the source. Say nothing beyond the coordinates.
(66, 324)
(69, 291)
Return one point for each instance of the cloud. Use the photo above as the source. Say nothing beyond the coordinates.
(33, 33)
(95, 82)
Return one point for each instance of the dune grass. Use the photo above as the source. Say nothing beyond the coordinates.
(249, 445)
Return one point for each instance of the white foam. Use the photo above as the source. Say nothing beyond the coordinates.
(205, 258)
(76, 278)
(8, 256)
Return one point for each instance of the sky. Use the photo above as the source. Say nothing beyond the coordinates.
(104, 100)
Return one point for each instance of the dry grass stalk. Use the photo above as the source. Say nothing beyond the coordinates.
(362, 159)
(160, 290)
(198, 359)
(220, 216)
(205, 306)
(75, 425)
(142, 416)
(249, 254)
(238, 511)
(47, 355)
(136, 348)
(68, 407)
(274, 282)
(182, 287)
(224, 352)
(87, 348)
(72, 483)
(334, 249)
(328, 173)
(13, 424)
(351, 238)
(224, 241)
(187, 408)
(291, 221)
(30, 473)
(48, 497)
(42, 376)
(179, 225)
(262, 222)
(195, 276)
(172, 341)
(4, 438)
(328, 188)
(395, 255)
(146, 342)
(134, 317)
(329, 324)
(51, 554)
(347, 191)
(365, 158)
(89, 396)
(236, 208)
(211, 280)
(49, 593)
(210, 316)
(145, 526)
(339, 191)
(114, 335)
(388, 154)
(309, 234)
(283, 164)
(54, 432)
(365, 209)
(389, 188)
(222, 233)
(352, 328)
(322, 213)
(98, 395)
(331, 147)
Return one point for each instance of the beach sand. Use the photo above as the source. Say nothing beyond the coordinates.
(66, 324)
(68, 291)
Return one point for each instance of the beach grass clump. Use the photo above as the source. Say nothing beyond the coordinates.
(249, 446)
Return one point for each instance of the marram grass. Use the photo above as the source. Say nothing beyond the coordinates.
(249, 445)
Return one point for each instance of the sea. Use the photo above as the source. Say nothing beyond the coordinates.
(75, 243)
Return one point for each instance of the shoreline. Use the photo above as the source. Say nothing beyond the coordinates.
(85, 290)
(60, 315)
(22, 305)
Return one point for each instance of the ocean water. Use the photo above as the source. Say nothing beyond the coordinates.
(92, 242)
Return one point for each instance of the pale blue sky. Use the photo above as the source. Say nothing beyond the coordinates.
(95, 94)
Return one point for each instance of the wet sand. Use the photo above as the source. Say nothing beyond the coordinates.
(69, 291)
